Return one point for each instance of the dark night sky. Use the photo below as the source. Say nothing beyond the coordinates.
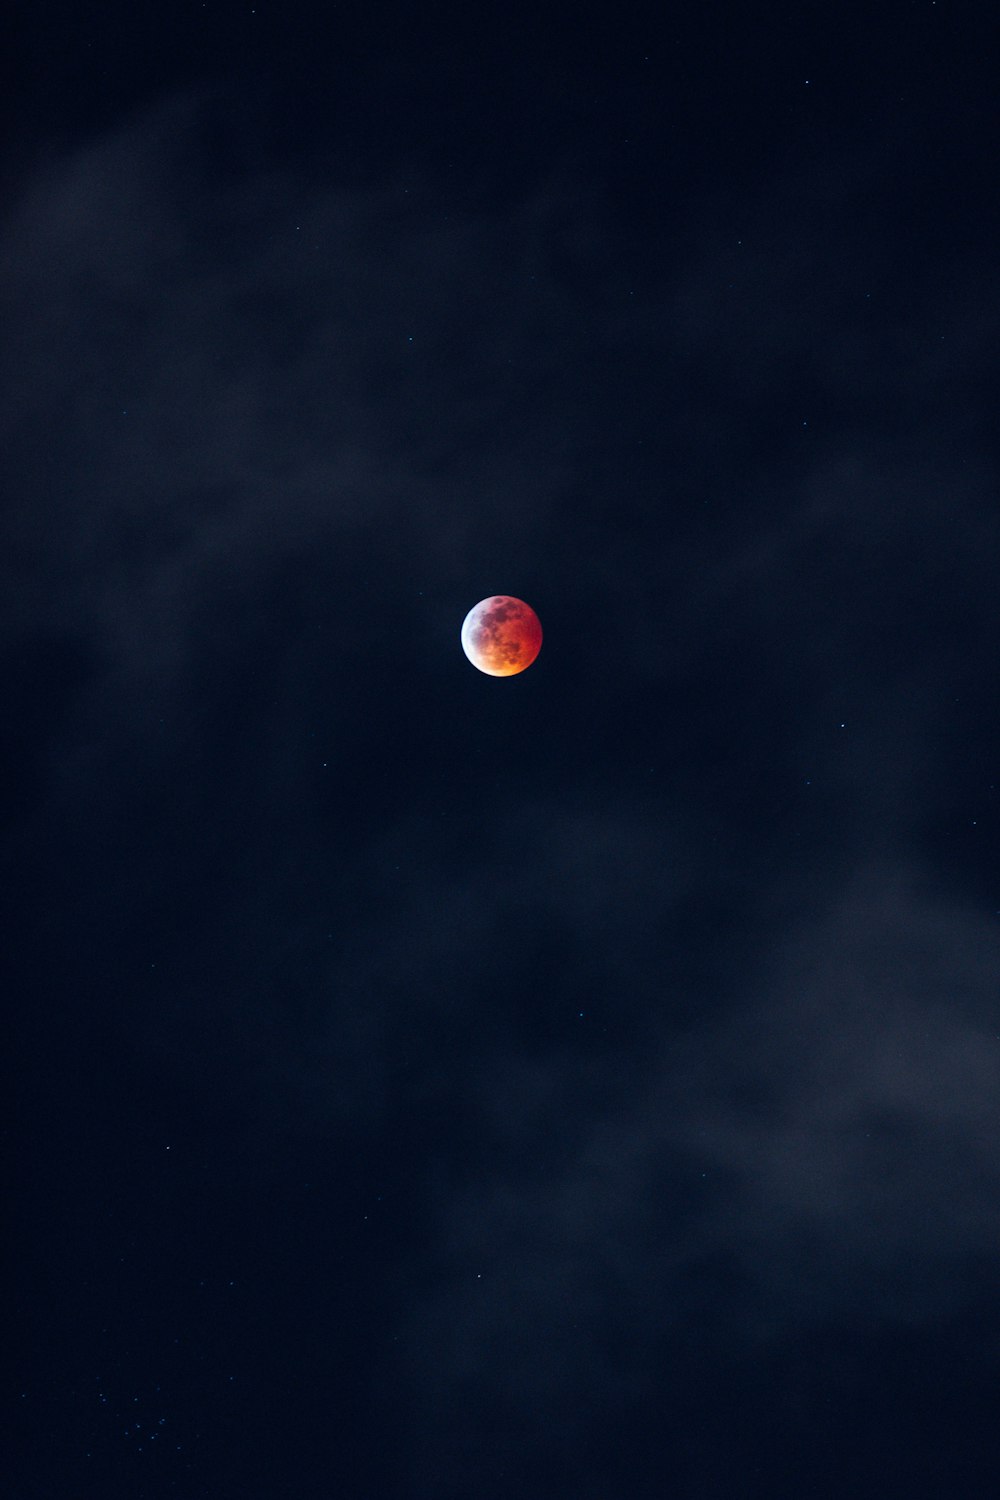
(582, 1086)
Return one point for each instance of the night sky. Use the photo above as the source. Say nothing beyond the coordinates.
(583, 1085)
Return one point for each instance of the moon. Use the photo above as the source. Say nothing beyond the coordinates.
(501, 635)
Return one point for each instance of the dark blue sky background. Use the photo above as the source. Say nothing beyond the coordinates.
(424, 1085)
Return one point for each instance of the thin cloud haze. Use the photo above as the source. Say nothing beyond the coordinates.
(608, 1035)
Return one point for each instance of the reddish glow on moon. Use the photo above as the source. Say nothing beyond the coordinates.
(501, 636)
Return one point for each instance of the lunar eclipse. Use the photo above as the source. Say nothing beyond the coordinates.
(501, 635)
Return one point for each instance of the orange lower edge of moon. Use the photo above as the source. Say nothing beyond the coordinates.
(501, 635)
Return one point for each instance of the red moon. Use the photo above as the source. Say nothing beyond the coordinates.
(501, 636)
